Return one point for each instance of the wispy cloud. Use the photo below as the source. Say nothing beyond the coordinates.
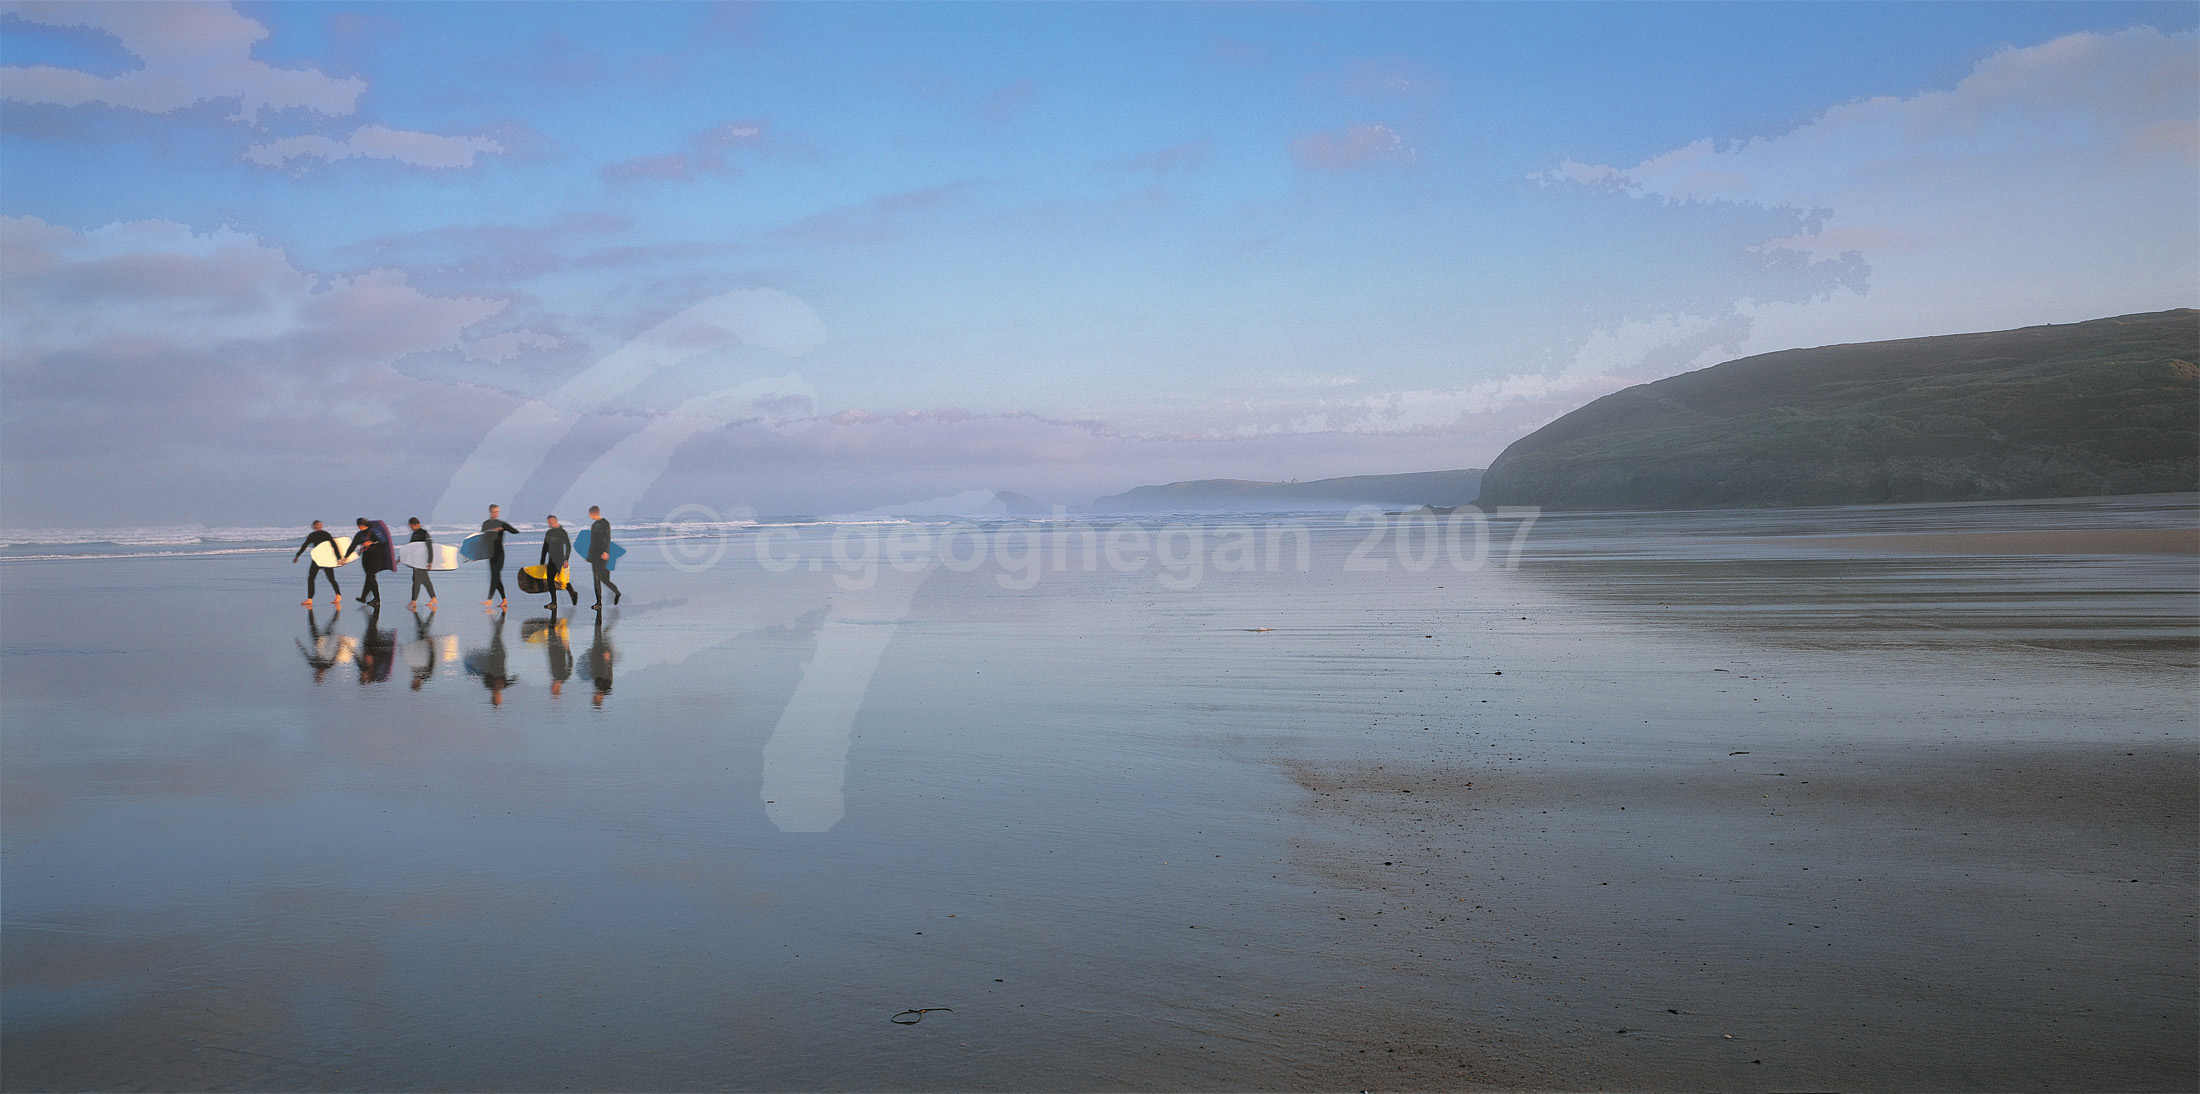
(377, 142)
(706, 154)
(191, 53)
(1358, 146)
(1003, 104)
(1182, 158)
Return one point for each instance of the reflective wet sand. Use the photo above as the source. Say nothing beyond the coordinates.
(1733, 800)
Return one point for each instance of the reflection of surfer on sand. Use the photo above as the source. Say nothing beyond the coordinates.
(553, 634)
(600, 656)
(315, 538)
(490, 664)
(377, 649)
(423, 666)
(328, 649)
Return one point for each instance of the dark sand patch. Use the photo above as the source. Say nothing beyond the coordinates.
(1980, 918)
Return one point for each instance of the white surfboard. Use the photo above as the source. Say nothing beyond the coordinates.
(330, 556)
(428, 556)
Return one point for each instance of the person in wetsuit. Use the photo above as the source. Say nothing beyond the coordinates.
(371, 562)
(420, 574)
(495, 529)
(599, 556)
(557, 551)
(315, 538)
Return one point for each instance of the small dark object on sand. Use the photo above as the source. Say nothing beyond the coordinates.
(920, 1013)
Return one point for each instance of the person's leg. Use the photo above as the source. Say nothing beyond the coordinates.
(369, 588)
(313, 576)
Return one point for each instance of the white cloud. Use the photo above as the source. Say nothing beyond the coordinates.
(192, 52)
(2054, 183)
(377, 142)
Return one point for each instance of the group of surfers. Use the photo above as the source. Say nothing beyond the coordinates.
(376, 555)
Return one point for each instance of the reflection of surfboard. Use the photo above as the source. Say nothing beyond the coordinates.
(475, 548)
(580, 548)
(540, 631)
(330, 555)
(428, 556)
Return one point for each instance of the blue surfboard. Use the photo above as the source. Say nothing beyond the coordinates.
(580, 547)
(475, 548)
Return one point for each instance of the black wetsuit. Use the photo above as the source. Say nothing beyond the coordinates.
(313, 569)
(495, 530)
(557, 550)
(599, 560)
(369, 563)
(421, 580)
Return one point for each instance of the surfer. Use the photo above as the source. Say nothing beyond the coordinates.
(371, 562)
(599, 557)
(557, 551)
(420, 573)
(315, 538)
(494, 528)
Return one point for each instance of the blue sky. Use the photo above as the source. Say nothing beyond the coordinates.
(265, 259)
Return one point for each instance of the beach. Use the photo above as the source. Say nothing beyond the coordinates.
(1892, 797)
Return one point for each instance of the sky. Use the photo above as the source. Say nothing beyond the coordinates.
(261, 263)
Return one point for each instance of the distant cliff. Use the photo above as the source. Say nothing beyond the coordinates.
(2110, 406)
(1247, 496)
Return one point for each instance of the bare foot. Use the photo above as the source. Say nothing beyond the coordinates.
(336, 600)
(412, 605)
(306, 604)
(488, 603)
(431, 603)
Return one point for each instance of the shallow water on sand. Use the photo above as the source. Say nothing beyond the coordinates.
(1676, 800)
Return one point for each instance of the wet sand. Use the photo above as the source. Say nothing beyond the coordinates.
(1930, 827)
